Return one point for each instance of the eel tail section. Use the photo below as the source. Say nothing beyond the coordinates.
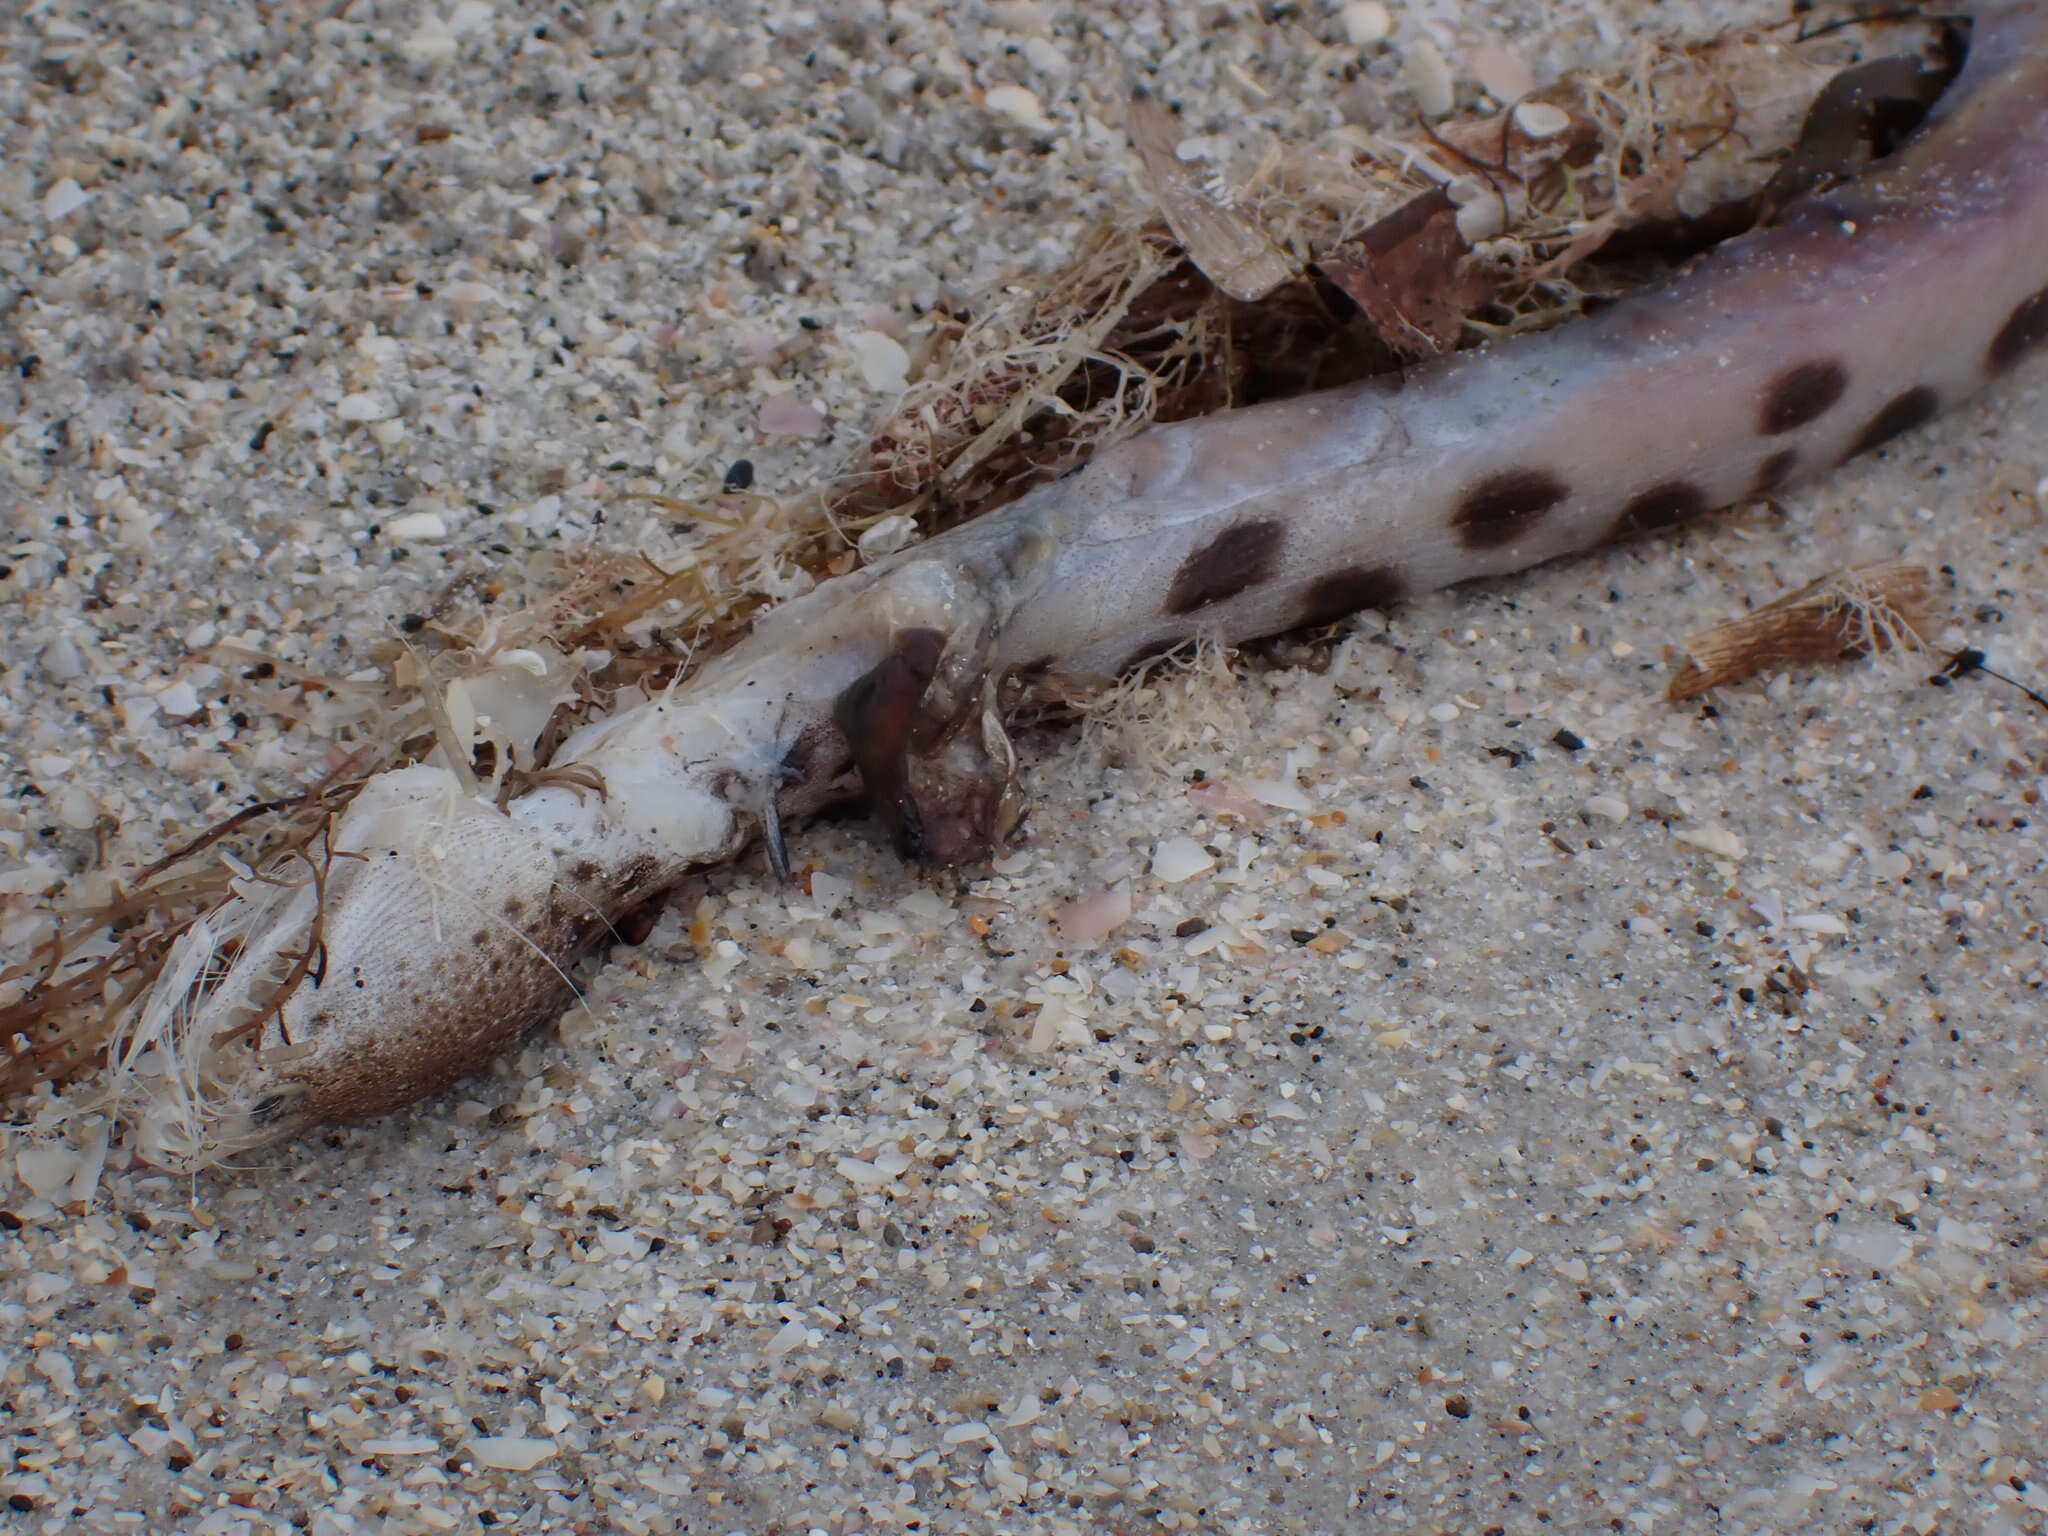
(436, 929)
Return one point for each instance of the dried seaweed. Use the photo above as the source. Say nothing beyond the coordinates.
(1684, 145)
(60, 1007)
(71, 992)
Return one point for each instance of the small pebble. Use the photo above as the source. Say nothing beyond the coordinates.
(1430, 78)
(787, 416)
(416, 528)
(365, 406)
(61, 661)
(1018, 104)
(400, 1445)
(1482, 219)
(1092, 919)
(1540, 120)
(45, 1169)
(65, 197)
(882, 361)
(1502, 75)
(180, 701)
(1180, 858)
(1718, 841)
(887, 536)
(511, 1453)
(1366, 23)
(1281, 794)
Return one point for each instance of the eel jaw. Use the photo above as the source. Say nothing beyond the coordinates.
(936, 765)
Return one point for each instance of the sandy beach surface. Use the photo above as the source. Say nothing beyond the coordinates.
(1515, 1103)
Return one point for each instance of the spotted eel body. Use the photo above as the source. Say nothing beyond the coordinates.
(447, 927)
(1859, 316)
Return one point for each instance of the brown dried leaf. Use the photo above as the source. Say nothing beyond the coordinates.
(1410, 281)
(1842, 617)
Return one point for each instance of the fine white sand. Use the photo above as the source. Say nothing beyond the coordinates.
(1489, 1135)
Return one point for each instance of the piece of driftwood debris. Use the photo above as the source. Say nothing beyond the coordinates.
(1843, 616)
(1233, 251)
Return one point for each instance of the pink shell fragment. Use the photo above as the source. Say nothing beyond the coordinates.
(1504, 76)
(1221, 799)
(787, 416)
(1092, 919)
